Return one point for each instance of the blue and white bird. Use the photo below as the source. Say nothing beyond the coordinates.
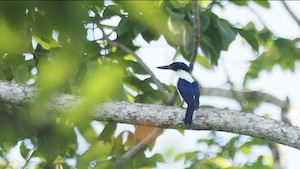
(187, 88)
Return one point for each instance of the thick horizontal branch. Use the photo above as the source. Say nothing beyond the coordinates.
(165, 116)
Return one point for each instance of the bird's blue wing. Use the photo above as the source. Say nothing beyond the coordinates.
(196, 92)
(186, 91)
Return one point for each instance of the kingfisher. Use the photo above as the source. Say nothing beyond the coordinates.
(187, 88)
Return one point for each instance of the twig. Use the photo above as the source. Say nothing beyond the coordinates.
(291, 12)
(279, 162)
(125, 158)
(235, 96)
(247, 95)
(139, 60)
(276, 154)
(257, 15)
(196, 34)
(275, 148)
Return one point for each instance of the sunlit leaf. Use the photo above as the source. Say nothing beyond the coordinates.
(263, 3)
(46, 44)
(203, 61)
(240, 2)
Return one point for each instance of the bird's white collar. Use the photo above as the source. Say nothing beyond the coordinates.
(185, 75)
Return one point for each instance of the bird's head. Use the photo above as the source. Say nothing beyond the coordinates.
(176, 66)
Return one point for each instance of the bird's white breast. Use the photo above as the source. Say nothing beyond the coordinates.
(185, 75)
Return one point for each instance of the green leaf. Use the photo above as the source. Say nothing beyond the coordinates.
(204, 22)
(216, 38)
(2, 76)
(108, 132)
(261, 62)
(187, 156)
(111, 10)
(117, 146)
(207, 47)
(227, 34)
(104, 164)
(140, 161)
(289, 53)
(199, 164)
(149, 36)
(24, 150)
(265, 35)
(246, 149)
(178, 4)
(8, 72)
(188, 41)
(46, 43)
(263, 3)
(22, 73)
(138, 28)
(203, 61)
(176, 13)
(98, 151)
(282, 51)
(124, 26)
(250, 38)
(240, 2)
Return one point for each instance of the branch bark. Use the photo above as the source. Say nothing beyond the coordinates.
(164, 116)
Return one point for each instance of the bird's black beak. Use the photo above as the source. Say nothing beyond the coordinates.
(164, 67)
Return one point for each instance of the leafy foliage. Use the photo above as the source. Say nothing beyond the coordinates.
(54, 45)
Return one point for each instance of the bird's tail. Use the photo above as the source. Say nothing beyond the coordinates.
(189, 115)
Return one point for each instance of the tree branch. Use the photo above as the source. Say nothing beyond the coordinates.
(245, 95)
(164, 116)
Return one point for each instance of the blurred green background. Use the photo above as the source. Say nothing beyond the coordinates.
(64, 47)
